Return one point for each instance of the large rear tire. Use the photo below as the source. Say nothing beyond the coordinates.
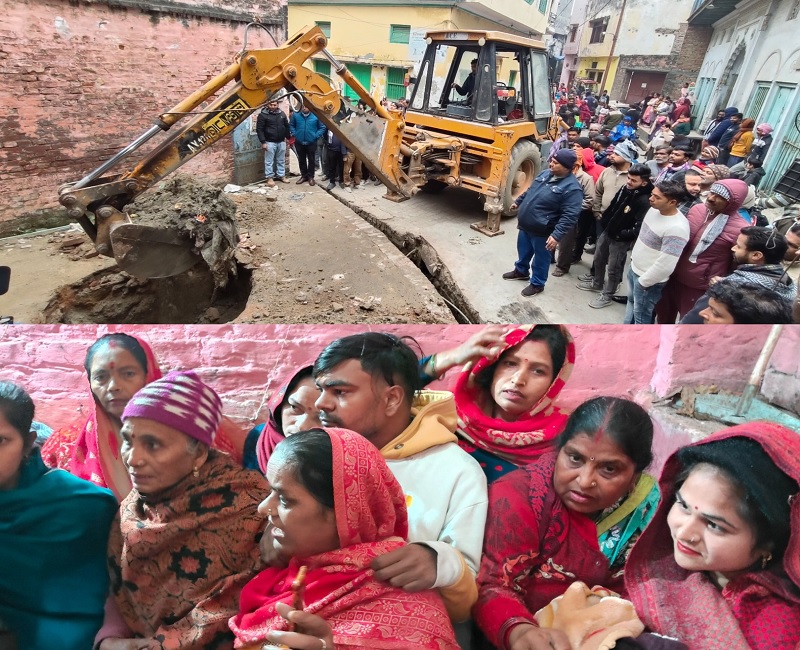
(525, 165)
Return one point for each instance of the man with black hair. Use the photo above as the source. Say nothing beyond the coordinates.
(601, 145)
(726, 138)
(621, 223)
(758, 253)
(680, 159)
(692, 180)
(744, 304)
(662, 238)
(370, 384)
(573, 133)
(468, 87)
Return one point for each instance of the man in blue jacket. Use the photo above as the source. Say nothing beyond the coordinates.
(546, 212)
(306, 129)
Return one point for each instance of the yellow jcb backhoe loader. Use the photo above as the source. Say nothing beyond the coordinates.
(486, 139)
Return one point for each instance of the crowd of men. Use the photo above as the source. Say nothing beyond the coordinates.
(700, 248)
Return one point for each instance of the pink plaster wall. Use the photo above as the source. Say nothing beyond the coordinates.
(782, 380)
(244, 363)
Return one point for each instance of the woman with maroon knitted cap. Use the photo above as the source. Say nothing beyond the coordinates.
(185, 540)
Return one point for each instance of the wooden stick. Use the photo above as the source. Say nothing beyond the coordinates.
(298, 592)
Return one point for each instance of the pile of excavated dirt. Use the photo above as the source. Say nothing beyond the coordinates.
(111, 296)
(201, 212)
(301, 257)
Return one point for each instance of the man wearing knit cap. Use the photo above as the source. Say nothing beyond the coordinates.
(545, 213)
(714, 227)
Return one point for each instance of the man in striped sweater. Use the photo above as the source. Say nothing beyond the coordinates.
(663, 236)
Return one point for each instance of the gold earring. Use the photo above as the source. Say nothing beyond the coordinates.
(196, 471)
(766, 560)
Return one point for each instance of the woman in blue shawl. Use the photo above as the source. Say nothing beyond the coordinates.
(54, 531)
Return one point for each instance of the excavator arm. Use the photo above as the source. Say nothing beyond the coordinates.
(97, 201)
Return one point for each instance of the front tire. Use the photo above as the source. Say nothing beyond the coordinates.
(525, 165)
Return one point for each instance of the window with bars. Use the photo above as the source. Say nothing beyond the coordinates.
(598, 30)
(573, 32)
(542, 6)
(795, 10)
(400, 34)
(325, 27)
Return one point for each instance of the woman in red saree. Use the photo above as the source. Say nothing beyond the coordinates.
(570, 516)
(505, 399)
(719, 566)
(117, 366)
(334, 507)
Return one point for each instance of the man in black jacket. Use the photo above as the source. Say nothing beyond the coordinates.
(621, 222)
(272, 128)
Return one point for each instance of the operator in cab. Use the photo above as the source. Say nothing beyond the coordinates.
(468, 87)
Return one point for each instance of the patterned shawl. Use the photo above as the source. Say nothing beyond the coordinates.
(371, 520)
(758, 610)
(271, 432)
(519, 442)
(90, 449)
(178, 564)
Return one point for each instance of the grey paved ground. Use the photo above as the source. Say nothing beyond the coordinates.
(477, 261)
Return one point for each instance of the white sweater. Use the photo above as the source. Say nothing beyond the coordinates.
(659, 246)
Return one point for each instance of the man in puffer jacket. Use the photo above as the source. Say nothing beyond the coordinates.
(621, 223)
(546, 212)
(306, 129)
(714, 227)
(272, 128)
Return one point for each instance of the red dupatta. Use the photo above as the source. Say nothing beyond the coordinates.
(758, 610)
(272, 433)
(91, 450)
(519, 442)
(371, 520)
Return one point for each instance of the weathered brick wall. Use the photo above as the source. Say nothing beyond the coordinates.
(245, 363)
(81, 80)
(681, 65)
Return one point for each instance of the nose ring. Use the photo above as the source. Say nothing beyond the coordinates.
(269, 512)
(594, 483)
(694, 540)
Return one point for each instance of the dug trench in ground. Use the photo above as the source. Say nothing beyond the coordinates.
(304, 258)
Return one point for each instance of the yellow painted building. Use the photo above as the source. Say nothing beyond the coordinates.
(382, 41)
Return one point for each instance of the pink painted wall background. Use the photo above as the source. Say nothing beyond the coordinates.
(245, 363)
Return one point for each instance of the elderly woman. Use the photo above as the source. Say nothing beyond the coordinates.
(291, 409)
(117, 366)
(186, 538)
(334, 507)
(570, 516)
(53, 535)
(719, 566)
(505, 396)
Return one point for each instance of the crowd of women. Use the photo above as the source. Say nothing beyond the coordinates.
(155, 523)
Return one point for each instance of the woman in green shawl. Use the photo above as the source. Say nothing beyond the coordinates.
(54, 531)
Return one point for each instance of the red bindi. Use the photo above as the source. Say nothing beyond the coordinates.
(696, 508)
(112, 365)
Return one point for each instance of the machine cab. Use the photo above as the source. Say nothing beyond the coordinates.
(483, 77)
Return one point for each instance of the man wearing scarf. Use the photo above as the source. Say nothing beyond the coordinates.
(714, 227)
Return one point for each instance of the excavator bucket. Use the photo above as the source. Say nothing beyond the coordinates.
(148, 252)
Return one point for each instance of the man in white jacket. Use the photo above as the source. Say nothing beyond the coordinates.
(370, 384)
(664, 235)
